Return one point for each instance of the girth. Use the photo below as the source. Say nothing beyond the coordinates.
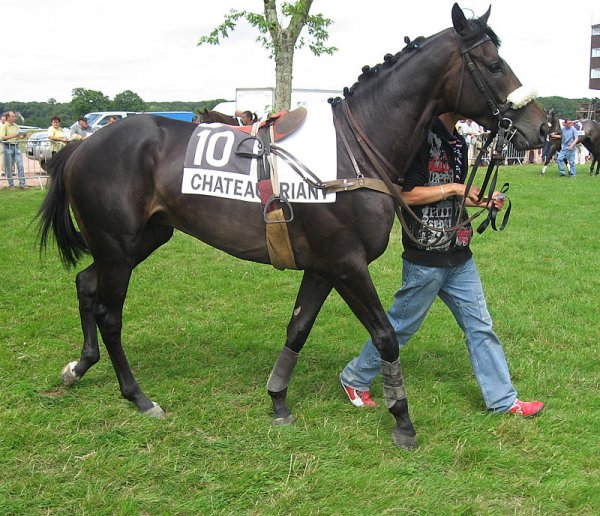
(275, 205)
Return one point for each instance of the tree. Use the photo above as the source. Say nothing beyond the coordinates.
(128, 101)
(84, 101)
(281, 42)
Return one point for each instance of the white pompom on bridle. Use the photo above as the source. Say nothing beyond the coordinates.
(521, 97)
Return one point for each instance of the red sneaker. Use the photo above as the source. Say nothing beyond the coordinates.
(526, 408)
(359, 398)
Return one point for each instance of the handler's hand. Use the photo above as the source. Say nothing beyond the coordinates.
(473, 193)
(497, 201)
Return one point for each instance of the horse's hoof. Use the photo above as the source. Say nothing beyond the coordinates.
(155, 411)
(406, 442)
(68, 375)
(284, 421)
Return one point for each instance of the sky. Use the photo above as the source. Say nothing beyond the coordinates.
(150, 47)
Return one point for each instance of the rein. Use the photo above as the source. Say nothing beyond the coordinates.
(445, 235)
(504, 133)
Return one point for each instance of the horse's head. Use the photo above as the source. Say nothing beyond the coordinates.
(212, 117)
(553, 122)
(203, 116)
(485, 88)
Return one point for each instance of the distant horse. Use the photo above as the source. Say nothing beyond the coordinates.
(124, 189)
(211, 117)
(554, 143)
(591, 141)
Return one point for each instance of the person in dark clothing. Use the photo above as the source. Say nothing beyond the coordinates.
(434, 187)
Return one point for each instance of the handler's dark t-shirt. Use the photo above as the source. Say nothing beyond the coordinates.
(442, 159)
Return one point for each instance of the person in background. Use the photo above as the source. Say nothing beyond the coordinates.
(81, 130)
(470, 131)
(434, 187)
(2, 122)
(248, 118)
(112, 120)
(56, 135)
(567, 148)
(10, 134)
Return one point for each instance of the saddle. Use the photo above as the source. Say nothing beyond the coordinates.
(268, 132)
(284, 123)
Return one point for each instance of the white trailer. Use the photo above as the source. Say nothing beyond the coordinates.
(261, 100)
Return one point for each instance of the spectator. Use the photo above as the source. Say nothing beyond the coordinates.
(567, 149)
(2, 122)
(112, 120)
(56, 135)
(470, 131)
(434, 185)
(10, 134)
(81, 130)
(248, 118)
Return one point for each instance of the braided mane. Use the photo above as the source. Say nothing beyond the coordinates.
(480, 27)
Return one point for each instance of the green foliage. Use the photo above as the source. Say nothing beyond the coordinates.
(128, 101)
(38, 114)
(84, 101)
(563, 107)
(202, 331)
(297, 13)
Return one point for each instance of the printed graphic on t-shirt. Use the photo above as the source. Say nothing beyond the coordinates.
(442, 214)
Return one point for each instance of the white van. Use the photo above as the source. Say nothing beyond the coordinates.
(100, 118)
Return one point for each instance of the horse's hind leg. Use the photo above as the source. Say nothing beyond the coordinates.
(314, 289)
(113, 281)
(86, 283)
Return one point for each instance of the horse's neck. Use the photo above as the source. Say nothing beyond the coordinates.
(399, 115)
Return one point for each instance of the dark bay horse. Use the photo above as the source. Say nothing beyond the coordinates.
(553, 144)
(591, 141)
(211, 117)
(123, 187)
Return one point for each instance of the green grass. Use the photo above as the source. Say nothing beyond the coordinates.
(202, 331)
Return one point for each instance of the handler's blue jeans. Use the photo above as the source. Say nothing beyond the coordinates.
(461, 290)
(570, 156)
(12, 154)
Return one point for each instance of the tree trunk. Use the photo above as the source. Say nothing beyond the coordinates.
(284, 42)
(283, 79)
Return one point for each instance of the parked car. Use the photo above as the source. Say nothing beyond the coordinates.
(99, 119)
(38, 145)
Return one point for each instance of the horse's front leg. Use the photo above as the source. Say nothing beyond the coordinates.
(357, 289)
(314, 289)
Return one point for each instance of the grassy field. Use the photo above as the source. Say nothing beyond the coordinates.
(202, 331)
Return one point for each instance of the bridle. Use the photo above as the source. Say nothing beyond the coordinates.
(506, 130)
(504, 133)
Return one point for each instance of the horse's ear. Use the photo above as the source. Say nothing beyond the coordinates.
(484, 18)
(459, 21)
(205, 111)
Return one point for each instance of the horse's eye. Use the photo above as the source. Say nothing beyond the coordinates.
(495, 67)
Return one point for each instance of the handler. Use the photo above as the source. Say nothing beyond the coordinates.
(434, 184)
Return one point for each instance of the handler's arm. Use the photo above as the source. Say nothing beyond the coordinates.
(430, 194)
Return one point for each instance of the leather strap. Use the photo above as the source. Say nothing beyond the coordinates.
(279, 244)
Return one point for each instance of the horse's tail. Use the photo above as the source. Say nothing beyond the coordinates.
(54, 214)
